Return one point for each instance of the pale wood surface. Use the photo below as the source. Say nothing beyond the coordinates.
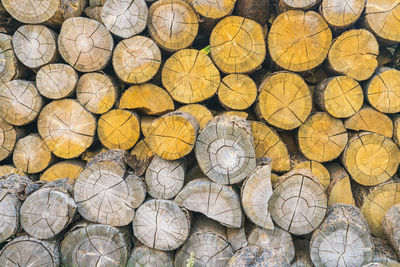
(56, 81)
(265, 257)
(8, 62)
(8, 138)
(341, 14)
(213, 9)
(145, 256)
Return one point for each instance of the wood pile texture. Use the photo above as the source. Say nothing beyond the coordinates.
(199, 133)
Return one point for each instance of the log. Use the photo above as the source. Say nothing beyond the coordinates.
(89, 244)
(124, 18)
(93, 151)
(94, 12)
(190, 76)
(343, 239)
(97, 92)
(8, 137)
(267, 143)
(213, 10)
(147, 98)
(374, 203)
(118, 129)
(9, 65)
(172, 24)
(391, 227)
(20, 102)
(225, 151)
(208, 243)
(370, 120)
(301, 209)
(46, 212)
(66, 127)
(237, 113)
(339, 190)
(31, 155)
(101, 192)
(64, 169)
(200, 112)
(35, 45)
(275, 239)
(145, 123)
(56, 81)
(145, 256)
(218, 202)
(302, 258)
(151, 228)
(173, 135)
(255, 194)
(380, 18)
(252, 256)
(236, 237)
(138, 186)
(85, 44)
(354, 53)
(137, 59)
(30, 251)
(284, 100)
(382, 85)
(297, 4)
(370, 158)
(340, 96)
(237, 91)
(164, 178)
(384, 253)
(322, 137)
(237, 45)
(288, 46)
(341, 15)
(6, 170)
(319, 171)
(374, 264)
(10, 205)
(254, 9)
(141, 151)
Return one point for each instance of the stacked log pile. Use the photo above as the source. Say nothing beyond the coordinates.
(199, 133)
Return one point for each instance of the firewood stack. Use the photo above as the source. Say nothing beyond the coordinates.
(199, 133)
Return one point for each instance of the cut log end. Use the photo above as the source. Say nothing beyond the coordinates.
(30, 12)
(214, 9)
(145, 256)
(337, 14)
(9, 69)
(8, 138)
(265, 257)
(284, 44)
(64, 169)
(237, 92)
(237, 45)
(202, 114)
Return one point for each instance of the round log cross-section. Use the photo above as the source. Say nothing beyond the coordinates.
(302, 209)
(9, 66)
(173, 24)
(66, 127)
(225, 151)
(341, 14)
(299, 50)
(32, 12)
(237, 45)
(85, 44)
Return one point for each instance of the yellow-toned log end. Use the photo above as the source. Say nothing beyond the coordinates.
(339, 96)
(214, 9)
(136, 60)
(237, 113)
(381, 19)
(190, 76)
(237, 45)
(66, 127)
(382, 90)
(340, 14)
(317, 169)
(64, 169)
(297, 4)
(371, 158)
(96, 92)
(339, 190)
(322, 138)
(145, 123)
(85, 44)
(141, 151)
(148, 98)
(299, 48)
(284, 101)
(118, 129)
(20, 102)
(6, 170)
(371, 120)
(354, 53)
(237, 91)
(267, 143)
(173, 135)
(200, 112)
(172, 34)
(8, 138)
(31, 155)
